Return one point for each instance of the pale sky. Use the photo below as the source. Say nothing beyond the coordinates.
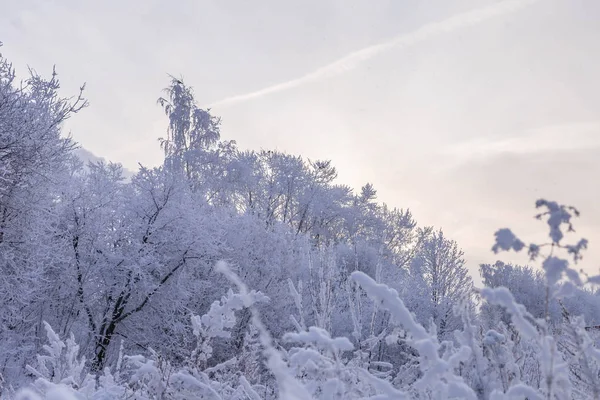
(464, 111)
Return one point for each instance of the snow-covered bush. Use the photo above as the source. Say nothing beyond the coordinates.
(350, 299)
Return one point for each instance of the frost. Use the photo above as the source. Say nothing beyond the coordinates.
(554, 268)
(437, 372)
(109, 288)
(506, 240)
(534, 251)
(520, 318)
(60, 393)
(321, 338)
(557, 215)
(492, 337)
(575, 250)
(595, 279)
(519, 391)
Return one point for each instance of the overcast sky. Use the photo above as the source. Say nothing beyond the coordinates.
(464, 111)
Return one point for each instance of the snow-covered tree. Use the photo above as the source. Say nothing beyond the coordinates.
(442, 280)
(34, 164)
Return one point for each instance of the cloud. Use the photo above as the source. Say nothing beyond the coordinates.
(354, 59)
(565, 137)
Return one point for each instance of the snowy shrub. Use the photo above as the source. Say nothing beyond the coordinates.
(350, 299)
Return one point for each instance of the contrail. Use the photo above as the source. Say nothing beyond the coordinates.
(352, 60)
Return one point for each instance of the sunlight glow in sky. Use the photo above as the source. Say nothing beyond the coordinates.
(464, 111)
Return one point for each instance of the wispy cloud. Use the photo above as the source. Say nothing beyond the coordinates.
(565, 137)
(354, 59)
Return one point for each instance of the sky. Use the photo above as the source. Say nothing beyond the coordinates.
(464, 111)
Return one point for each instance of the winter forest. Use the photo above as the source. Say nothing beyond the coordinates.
(232, 274)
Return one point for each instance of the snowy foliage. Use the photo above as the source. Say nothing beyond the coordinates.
(252, 275)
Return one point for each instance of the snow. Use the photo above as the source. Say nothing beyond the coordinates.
(234, 274)
(519, 316)
(506, 240)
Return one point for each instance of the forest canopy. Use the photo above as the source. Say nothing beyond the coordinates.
(227, 273)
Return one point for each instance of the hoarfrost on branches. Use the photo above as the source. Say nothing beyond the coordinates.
(109, 288)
